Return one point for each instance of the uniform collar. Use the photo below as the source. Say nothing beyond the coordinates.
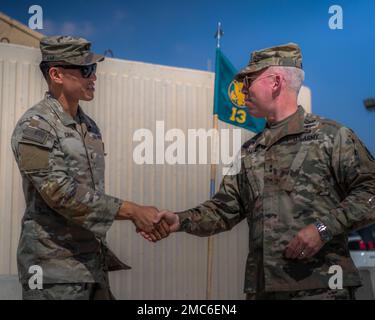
(294, 124)
(65, 118)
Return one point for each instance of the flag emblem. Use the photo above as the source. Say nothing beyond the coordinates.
(235, 94)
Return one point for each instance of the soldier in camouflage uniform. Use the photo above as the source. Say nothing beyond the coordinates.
(303, 184)
(60, 154)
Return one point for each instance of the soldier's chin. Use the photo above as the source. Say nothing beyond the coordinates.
(253, 110)
(88, 96)
(250, 106)
(255, 114)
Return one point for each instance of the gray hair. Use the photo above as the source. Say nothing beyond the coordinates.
(293, 76)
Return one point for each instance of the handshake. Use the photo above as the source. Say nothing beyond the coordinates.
(151, 223)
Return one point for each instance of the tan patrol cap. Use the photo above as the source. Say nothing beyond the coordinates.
(70, 50)
(286, 55)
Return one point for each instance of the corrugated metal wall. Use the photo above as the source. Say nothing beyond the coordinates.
(129, 96)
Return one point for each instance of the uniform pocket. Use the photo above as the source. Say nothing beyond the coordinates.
(96, 150)
(253, 181)
(288, 182)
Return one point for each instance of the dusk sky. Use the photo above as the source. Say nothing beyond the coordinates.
(339, 64)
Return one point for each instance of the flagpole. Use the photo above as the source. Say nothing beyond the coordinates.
(218, 35)
(212, 193)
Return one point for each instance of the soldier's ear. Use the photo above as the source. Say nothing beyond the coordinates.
(276, 86)
(277, 81)
(55, 75)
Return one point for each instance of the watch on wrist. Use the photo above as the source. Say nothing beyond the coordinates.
(324, 233)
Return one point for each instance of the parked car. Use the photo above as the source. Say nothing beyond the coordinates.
(362, 250)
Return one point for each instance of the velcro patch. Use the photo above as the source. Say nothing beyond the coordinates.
(37, 123)
(33, 157)
(36, 135)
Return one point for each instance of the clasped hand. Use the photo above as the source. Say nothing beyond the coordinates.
(166, 223)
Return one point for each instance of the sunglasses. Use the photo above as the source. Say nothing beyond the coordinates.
(86, 71)
(248, 81)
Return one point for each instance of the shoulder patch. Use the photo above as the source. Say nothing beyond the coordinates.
(33, 134)
(36, 123)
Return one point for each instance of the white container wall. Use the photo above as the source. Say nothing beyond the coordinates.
(131, 96)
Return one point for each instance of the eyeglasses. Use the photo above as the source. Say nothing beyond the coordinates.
(86, 71)
(249, 81)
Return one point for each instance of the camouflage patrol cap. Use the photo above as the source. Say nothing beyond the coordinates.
(287, 55)
(70, 50)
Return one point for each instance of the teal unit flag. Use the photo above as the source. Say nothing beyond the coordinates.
(229, 101)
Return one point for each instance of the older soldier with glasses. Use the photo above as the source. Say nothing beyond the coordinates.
(60, 154)
(304, 183)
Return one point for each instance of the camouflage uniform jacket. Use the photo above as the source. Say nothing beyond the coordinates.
(67, 212)
(303, 169)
